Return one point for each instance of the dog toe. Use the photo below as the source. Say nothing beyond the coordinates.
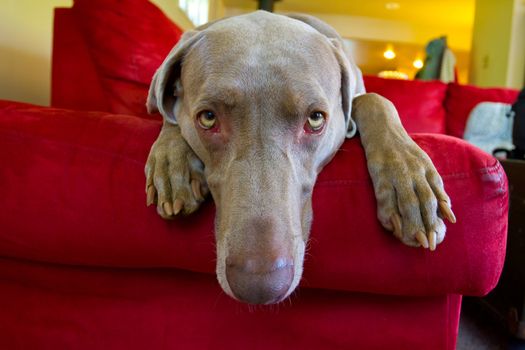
(175, 178)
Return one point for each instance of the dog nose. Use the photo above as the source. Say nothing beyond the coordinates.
(259, 281)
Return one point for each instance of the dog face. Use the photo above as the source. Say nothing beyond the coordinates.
(261, 100)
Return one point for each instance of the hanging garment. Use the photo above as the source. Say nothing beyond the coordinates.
(489, 127)
(434, 55)
(448, 67)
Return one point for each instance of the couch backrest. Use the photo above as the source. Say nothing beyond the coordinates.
(461, 100)
(431, 106)
(106, 51)
(420, 104)
(75, 82)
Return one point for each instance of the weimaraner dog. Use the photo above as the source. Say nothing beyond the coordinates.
(254, 106)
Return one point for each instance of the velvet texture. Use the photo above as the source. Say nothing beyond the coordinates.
(62, 307)
(80, 178)
(73, 196)
(428, 115)
(125, 41)
(113, 47)
(461, 100)
(85, 265)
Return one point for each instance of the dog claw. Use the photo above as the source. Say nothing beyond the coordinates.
(177, 206)
(432, 240)
(396, 223)
(422, 239)
(150, 195)
(196, 188)
(447, 213)
(167, 208)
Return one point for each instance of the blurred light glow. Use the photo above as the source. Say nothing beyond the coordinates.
(418, 63)
(392, 6)
(393, 74)
(389, 54)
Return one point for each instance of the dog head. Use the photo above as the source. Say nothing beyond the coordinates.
(264, 100)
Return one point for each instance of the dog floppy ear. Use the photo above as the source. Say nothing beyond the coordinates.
(351, 78)
(162, 90)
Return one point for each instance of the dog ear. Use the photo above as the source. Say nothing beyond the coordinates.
(162, 90)
(351, 78)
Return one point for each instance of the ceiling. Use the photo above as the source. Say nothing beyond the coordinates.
(456, 13)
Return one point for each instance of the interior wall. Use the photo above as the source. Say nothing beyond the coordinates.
(172, 10)
(26, 31)
(388, 30)
(406, 37)
(516, 70)
(491, 42)
(217, 9)
(367, 28)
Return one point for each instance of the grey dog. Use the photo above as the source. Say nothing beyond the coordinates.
(254, 106)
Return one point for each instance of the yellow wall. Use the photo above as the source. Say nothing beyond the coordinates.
(397, 31)
(26, 28)
(25, 48)
(498, 48)
(172, 10)
(368, 28)
(217, 9)
(516, 71)
(497, 41)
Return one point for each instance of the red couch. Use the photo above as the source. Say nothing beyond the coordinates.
(85, 265)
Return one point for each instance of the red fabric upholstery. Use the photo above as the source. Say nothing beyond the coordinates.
(112, 48)
(73, 196)
(461, 99)
(71, 58)
(427, 115)
(62, 307)
(85, 265)
(82, 173)
(126, 39)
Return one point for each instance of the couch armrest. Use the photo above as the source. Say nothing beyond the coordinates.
(72, 192)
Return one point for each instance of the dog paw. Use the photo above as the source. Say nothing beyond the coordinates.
(411, 200)
(175, 179)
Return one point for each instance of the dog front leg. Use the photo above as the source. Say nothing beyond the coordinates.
(411, 200)
(175, 179)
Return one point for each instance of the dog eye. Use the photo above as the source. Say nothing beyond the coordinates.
(207, 119)
(316, 121)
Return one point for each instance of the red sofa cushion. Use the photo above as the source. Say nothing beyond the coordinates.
(47, 306)
(127, 41)
(461, 99)
(419, 103)
(73, 193)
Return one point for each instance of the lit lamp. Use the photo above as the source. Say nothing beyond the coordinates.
(418, 63)
(389, 53)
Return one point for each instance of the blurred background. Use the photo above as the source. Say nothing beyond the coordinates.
(387, 38)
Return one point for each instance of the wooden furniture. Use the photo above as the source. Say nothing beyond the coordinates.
(507, 300)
